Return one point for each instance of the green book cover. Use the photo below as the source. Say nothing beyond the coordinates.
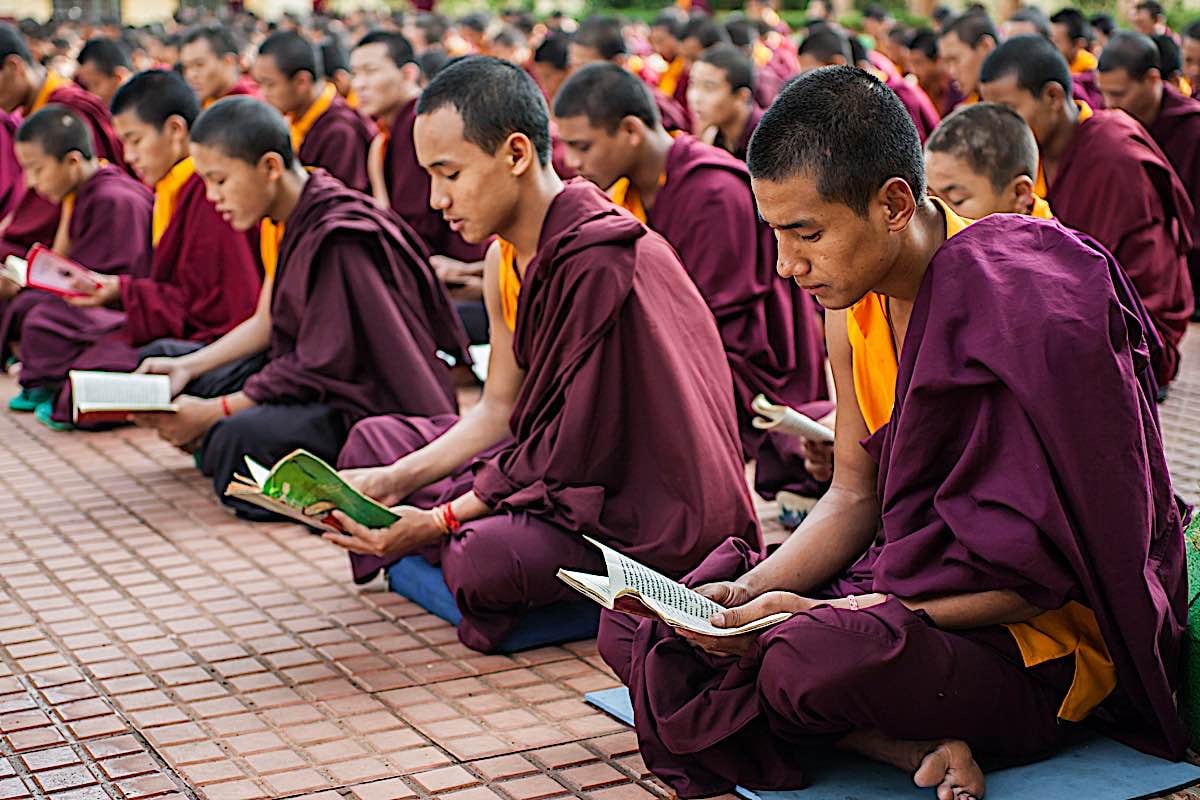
(305, 482)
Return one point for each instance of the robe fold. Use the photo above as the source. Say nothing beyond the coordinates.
(1177, 131)
(408, 188)
(12, 183)
(742, 145)
(1115, 184)
(992, 476)
(338, 142)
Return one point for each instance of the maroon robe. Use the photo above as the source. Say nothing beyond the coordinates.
(1084, 87)
(1114, 184)
(673, 115)
(743, 143)
(1043, 473)
(408, 188)
(924, 114)
(338, 143)
(12, 183)
(623, 429)
(768, 325)
(1176, 130)
(109, 232)
(203, 282)
(245, 85)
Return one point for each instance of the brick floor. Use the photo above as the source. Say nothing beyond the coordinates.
(152, 646)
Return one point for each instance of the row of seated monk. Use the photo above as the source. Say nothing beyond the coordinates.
(996, 524)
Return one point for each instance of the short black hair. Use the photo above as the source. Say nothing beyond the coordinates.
(1155, 9)
(399, 49)
(495, 100)
(155, 96)
(1192, 31)
(554, 50)
(876, 12)
(244, 128)
(108, 55)
(993, 139)
(1033, 59)
(1075, 22)
(292, 54)
(334, 58)
(477, 21)
(705, 30)
(1103, 23)
(1035, 17)
(13, 44)
(737, 64)
(742, 32)
(432, 61)
(434, 26)
(971, 27)
(824, 43)
(1131, 51)
(672, 19)
(925, 41)
(942, 14)
(602, 34)
(1169, 57)
(805, 131)
(219, 37)
(58, 131)
(508, 36)
(606, 94)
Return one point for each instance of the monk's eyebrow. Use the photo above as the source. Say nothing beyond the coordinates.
(800, 223)
(442, 164)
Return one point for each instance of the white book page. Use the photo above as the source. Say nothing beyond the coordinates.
(674, 601)
(96, 391)
(15, 269)
(788, 420)
(258, 473)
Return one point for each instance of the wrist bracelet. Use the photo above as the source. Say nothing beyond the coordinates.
(452, 523)
(853, 601)
(225, 405)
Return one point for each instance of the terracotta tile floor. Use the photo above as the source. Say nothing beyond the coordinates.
(152, 646)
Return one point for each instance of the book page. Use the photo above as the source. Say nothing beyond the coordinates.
(15, 269)
(48, 270)
(258, 473)
(119, 390)
(788, 420)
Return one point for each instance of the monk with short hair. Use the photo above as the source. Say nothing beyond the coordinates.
(103, 66)
(1085, 156)
(968, 549)
(210, 56)
(607, 408)
(962, 47)
(721, 96)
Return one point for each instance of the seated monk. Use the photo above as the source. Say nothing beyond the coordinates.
(203, 278)
(1104, 176)
(326, 133)
(970, 551)
(11, 182)
(105, 227)
(211, 61)
(103, 66)
(1131, 79)
(721, 96)
(962, 46)
(698, 198)
(607, 408)
(352, 320)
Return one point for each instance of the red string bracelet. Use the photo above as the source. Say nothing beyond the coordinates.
(225, 405)
(452, 523)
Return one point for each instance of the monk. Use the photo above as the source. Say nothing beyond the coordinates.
(11, 182)
(1191, 56)
(606, 409)
(203, 278)
(666, 37)
(1132, 81)
(962, 47)
(103, 66)
(335, 63)
(698, 198)
(1072, 35)
(969, 550)
(926, 65)
(1103, 175)
(721, 96)
(211, 61)
(326, 133)
(352, 320)
(105, 227)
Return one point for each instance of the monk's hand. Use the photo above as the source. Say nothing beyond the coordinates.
(415, 528)
(187, 426)
(726, 593)
(764, 605)
(107, 293)
(174, 368)
(8, 289)
(387, 484)
(818, 455)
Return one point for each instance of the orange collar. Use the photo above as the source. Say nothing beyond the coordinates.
(166, 196)
(1083, 62)
(53, 82)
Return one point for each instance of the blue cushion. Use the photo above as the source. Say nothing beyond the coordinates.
(418, 580)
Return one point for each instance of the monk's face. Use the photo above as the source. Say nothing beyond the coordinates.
(242, 192)
(824, 246)
(664, 43)
(1042, 114)
(50, 177)
(580, 54)
(382, 87)
(149, 150)
(14, 83)
(1137, 97)
(475, 191)
(963, 61)
(92, 78)
(1061, 36)
(601, 157)
(927, 70)
(1191, 62)
(288, 95)
(209, 75)
(711, 98)
(971, 194)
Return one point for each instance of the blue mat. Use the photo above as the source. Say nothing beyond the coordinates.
(1095, 768)
(418, 580)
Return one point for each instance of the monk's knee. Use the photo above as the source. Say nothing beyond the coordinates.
(482, 568)
(376, 441)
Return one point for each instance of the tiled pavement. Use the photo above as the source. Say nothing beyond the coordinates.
(151, 646)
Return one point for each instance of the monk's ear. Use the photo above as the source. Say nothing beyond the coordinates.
(411, 72)
(744, 94)
(520, 153)
(633, 129)
(271, 165)
(176, 129)
(1020, 192)
(986, 43)
(899, 205)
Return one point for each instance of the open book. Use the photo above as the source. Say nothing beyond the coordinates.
(46, 270)
(638, 589)
(772, 417)
(304, 488)
(113, 396)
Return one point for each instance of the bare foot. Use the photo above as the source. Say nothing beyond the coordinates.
(951, 768)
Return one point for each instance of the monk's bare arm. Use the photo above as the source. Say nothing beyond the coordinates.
(975, 610)
(842, 524)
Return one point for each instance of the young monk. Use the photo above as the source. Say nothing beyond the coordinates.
(105, 227)
(210, 57)
(666, 37)
(326, 132)
(699, 199)
(203, 278)
(1103, 175)
(721, 96)
(926, 65)
(607, 408)
(963, 46)
(1191, 57)
(103, 66)
(970, 580)
(352, 321)
(1131, 79)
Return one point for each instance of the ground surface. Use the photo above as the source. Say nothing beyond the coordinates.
(153, 646)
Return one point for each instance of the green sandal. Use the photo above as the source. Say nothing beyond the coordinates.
(29, 399)
(45, 415)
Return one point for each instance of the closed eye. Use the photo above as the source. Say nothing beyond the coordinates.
(812, 237)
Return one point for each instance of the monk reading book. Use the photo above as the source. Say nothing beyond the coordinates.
(607, 407)
(203, 279)
(1103, 175)
(105, 227)
(698, 198)
(974, 549)
(352, 322)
